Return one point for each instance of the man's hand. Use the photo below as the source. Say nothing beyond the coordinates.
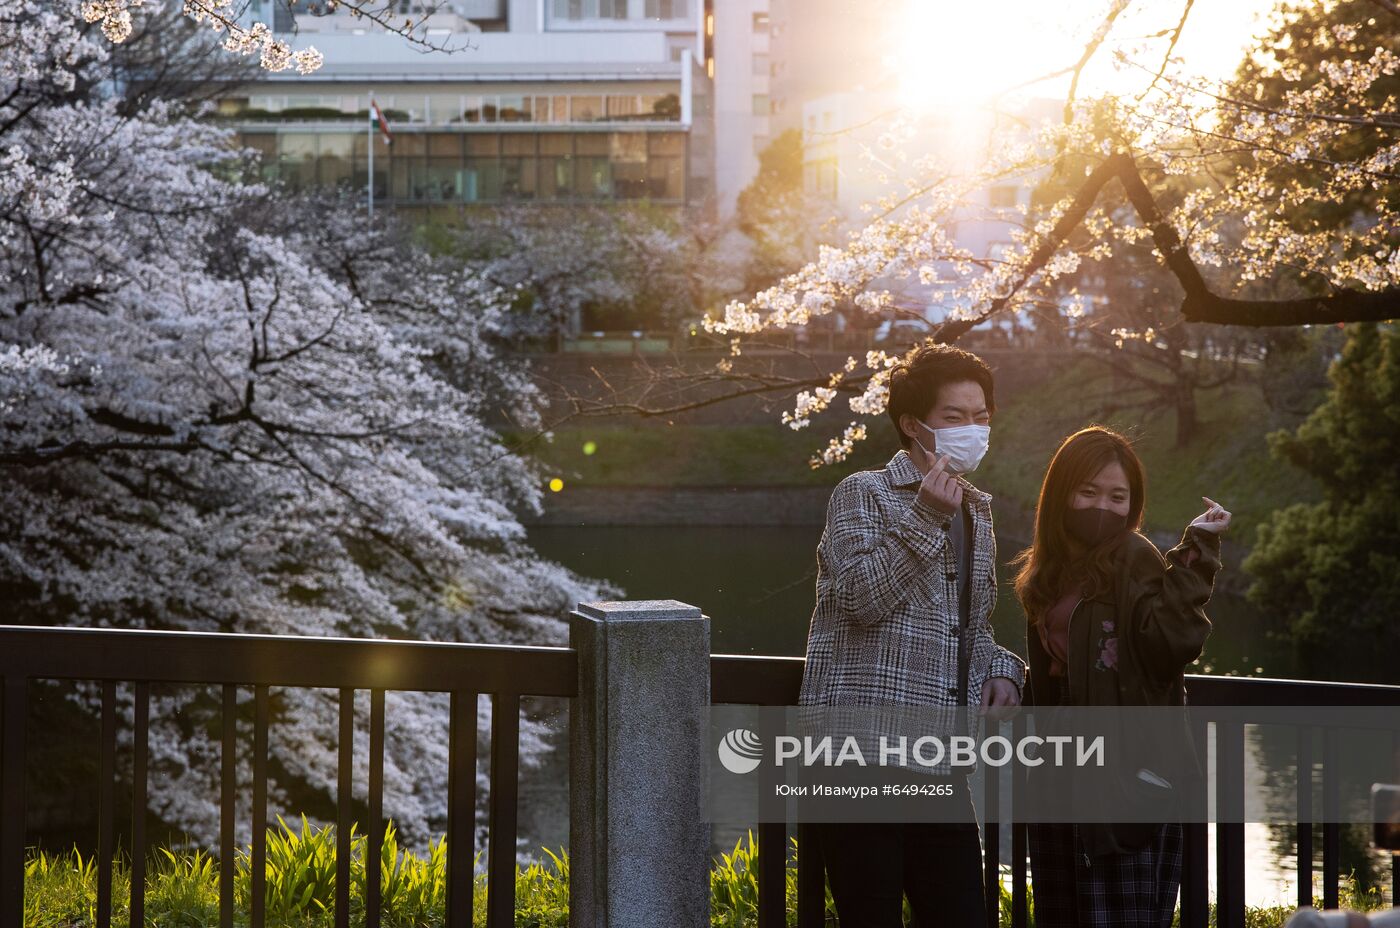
(1215, 519)
(941, 489)
(999, 697)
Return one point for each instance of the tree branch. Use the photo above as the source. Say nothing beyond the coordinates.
(1202, 305)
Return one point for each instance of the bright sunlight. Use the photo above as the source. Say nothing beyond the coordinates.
(951, 53)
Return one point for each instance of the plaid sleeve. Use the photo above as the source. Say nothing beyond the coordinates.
(989, 660)
(876, 566)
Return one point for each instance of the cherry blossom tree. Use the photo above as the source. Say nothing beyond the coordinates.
(632, 266)
(1215, 176)
(222, 408)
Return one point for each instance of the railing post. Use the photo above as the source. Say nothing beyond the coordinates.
(638, 841)
(16, 714)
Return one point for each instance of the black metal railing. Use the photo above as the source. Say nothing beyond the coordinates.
(775, 681)
(504, 672)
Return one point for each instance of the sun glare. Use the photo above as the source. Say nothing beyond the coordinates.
(952, 53)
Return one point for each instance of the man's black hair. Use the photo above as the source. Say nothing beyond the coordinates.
(915, 381)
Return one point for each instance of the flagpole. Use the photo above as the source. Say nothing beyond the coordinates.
(370, 138)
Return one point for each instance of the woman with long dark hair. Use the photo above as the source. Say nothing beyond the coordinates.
(1111, 622)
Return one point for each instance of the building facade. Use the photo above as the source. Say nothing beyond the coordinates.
(548, 102)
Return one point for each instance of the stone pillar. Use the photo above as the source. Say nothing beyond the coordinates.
(639, 844)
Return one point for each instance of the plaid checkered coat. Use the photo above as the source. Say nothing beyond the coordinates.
(885, 627)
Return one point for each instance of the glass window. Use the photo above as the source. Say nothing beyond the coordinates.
(628, 154)
(232, 106)
(409, 144)
(559, 109)
(556, 177)
(514, 108)
(556, 166)
(382, 148)
(664, 107)
(264, 143)
(360, 177)
(622, 107)
(760, 63)
(666, 178)
(518, 143)
(666, 143)
(481, 180)
(666, 9)
(593, 178)
(406, 167)
(472, 109)
(444, 108)
(402, 107)
(483, 144)
(591, 143)
(590, 9)
(479, 109)
(443, 179)
(334, 159)
(445, 144)
(760, 105)
(586, 109)
(760, 22)
(518, 178)
(297, 159)
(556, 143)
(399, 186)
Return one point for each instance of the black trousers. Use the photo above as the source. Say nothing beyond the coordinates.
(872, 866)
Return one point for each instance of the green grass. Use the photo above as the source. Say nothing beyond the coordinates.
(1227, 460)
(701, 456)
(182, 888)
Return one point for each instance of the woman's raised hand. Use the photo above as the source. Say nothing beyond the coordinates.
(1215, 519)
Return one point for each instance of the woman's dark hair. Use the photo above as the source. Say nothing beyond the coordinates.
(1045, 567)
(915, 381)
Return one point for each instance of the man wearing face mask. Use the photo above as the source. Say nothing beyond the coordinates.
(906, 582)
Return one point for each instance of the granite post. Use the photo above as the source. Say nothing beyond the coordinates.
(638, 747)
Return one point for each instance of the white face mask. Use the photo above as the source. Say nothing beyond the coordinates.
(965, 445)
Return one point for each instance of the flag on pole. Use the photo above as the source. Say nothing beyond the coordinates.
(376, 119)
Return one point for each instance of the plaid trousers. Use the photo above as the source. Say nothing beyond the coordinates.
(1127, 890)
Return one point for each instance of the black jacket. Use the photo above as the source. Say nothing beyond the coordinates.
(1129, 646)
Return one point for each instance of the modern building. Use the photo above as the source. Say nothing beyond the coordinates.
(742, 74)
(518, 101)
(822, 47)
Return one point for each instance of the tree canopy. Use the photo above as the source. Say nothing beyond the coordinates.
(225, 408)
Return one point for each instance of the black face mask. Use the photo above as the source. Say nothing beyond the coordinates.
(1094, 526)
